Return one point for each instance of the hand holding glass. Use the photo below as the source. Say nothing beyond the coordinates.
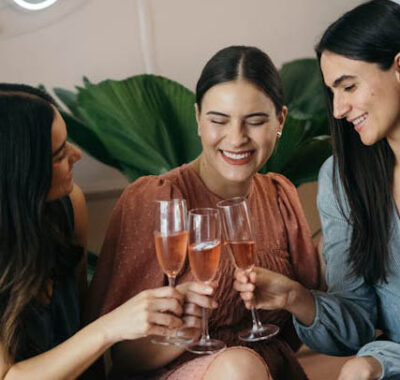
(170, 238)
(204, 255)
(236, 222)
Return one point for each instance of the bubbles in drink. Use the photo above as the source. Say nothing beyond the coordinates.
(204, 259)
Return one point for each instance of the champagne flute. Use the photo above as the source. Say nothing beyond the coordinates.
(204, 255)
(170, 239)
(241, 246)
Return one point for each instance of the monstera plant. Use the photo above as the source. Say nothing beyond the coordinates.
(145, 124)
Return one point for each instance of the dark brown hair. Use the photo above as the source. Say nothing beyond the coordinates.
(242, 62)
(34, 247)
(370, 33)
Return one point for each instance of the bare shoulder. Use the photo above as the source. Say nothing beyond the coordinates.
(80, 214)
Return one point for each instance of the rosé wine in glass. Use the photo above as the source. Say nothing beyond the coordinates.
(239, 241)
(204, 256)
(204, 259)
(170, 241)
(242, 254)
(171, 251)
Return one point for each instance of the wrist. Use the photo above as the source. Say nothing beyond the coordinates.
(295, 297)
(301, 304)
(374, 367)
(105, 327)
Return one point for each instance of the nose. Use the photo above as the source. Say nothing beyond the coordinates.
(340, 106)
(76, 154)
(237, 134)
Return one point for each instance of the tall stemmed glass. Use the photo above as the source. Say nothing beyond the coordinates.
(236, 221)
(171, 238)
(204, 255)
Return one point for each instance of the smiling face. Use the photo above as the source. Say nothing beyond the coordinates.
(64, 157)
(364, 95)
(238, 128)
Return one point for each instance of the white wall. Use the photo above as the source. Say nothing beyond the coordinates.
(100, 39)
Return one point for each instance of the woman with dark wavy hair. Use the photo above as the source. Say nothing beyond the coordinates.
(358, 200)
(42, 260)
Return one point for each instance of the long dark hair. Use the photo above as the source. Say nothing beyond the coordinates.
(30, 227)
(370, 33)
(242, 62)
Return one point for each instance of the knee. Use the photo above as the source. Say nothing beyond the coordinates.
(238, 363)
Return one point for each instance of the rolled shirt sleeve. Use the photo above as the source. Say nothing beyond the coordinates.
(346, 314)
(388, 355)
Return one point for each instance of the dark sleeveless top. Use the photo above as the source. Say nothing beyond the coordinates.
(49, 325)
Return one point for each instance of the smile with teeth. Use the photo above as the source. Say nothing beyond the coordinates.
(237, 156)
(360, 119)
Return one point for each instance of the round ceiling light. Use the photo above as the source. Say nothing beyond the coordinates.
(35, 6)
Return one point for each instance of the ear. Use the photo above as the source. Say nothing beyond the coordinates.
(282, 118)
(197, 112)
(397, 66)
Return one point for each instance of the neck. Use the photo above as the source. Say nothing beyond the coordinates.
(219, 186)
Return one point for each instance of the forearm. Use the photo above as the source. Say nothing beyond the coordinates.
(141, 355)
(66, 361)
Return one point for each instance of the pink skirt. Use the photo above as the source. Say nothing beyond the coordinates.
(195, 369)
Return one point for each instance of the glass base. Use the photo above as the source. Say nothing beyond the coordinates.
(206, 346)
(171, 341)
(262, 332)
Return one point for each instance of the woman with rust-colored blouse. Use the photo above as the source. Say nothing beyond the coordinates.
(240, 114)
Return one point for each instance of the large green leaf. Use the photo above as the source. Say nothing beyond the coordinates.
(292, 136)
(81, 135)
(303, 146)
(302, 85)
(145, 123)
(304, 165)
(70, 100)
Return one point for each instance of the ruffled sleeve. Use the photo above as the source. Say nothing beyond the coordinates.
(127, 263)
(302, 250)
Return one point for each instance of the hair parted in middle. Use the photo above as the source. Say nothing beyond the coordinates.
(242, 62)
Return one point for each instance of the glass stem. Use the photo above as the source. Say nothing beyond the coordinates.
(204, 326)
(171, 281)
(256, 320)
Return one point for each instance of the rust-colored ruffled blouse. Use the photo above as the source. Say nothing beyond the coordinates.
(128, 264)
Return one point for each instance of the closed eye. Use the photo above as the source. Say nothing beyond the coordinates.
(350, 88)
(218, 121)
(63, 153)
(61, 157)
(256, 122)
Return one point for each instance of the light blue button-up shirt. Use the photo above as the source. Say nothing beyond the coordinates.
(350, 311)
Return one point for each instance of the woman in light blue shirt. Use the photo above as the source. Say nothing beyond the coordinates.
(358, 201)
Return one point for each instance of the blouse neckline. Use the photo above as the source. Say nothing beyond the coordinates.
(198, 178)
